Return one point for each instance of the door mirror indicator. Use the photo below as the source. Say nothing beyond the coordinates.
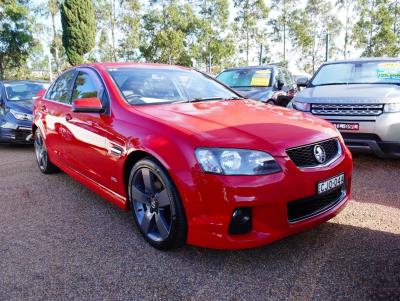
(87, 105)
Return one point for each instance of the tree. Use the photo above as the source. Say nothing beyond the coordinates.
(347, 6)
(283, 10)
(107, 12)
(215, 42)
(130, 28)
(169, 29)
(56, 44)
(15, 34)
(310, 27)
(376, 31)
(250, 14)
(79, 29)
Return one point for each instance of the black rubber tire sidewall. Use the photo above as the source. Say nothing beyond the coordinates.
(50, 167)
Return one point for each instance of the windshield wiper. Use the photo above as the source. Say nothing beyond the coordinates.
(235, 98)
(331, 84)
(198, 99)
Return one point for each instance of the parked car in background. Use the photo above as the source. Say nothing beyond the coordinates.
(16, 103)
(270, 83)
(362, 98)
(193, 161)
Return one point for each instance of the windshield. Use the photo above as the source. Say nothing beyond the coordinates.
(359, 73)
(151, 85)
(246, 78)
(23, 91)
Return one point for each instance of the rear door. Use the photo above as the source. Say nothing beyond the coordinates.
(52, 109)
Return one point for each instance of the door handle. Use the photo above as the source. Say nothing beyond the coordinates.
(68, 117)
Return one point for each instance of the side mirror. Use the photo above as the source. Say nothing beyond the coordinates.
(87, 105)
(302, 81)
(40, 93)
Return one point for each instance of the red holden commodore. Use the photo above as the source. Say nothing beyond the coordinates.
(192, 160)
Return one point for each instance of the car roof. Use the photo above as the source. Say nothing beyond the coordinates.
(272, 66)
(107, 65)
(363, 59)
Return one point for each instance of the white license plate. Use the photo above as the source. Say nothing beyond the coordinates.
(330, 184)
(347, 126)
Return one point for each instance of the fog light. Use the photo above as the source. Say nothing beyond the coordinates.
(241, 221)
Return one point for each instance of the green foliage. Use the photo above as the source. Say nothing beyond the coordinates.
(79, 29)
(250, 15)
(215, 44)
(280, 24)
(310, 27)
(15, 35)
(130, 28)
(377, 29)
(169, 30)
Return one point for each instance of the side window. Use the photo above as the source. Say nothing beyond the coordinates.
(84, 87)
(60, 89)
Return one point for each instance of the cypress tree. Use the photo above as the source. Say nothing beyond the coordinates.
(79, 28)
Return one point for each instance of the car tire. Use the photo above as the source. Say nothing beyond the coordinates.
(42, 158)
(156, 205)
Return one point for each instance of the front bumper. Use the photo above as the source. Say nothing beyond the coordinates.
(18, 133)
(379, 135)
(210, 200)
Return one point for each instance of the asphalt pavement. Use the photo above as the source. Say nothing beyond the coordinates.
(60, 241)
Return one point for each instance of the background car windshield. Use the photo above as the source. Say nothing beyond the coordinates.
(148, 85)
(359, 73)
(23, 91)
(246, 78)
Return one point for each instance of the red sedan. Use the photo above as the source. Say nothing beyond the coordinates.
(192, 160)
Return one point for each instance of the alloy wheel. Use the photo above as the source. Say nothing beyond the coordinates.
(40, 151)
(151, 204)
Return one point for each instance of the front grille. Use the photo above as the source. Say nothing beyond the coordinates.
(304, 208)
(304, 156)
(347, 109)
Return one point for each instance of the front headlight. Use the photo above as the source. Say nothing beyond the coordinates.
(301, 106)
(21, 116)
(392, 108)
(229, 161)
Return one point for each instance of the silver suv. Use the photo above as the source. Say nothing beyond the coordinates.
(362, 98)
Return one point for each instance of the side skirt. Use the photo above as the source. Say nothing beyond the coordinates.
(97, 188)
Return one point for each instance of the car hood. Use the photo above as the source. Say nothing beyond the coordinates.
(258, 94)
(22, 106)
(243, 124)
(364, 93)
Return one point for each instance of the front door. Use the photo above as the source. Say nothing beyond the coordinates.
(88, 152)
